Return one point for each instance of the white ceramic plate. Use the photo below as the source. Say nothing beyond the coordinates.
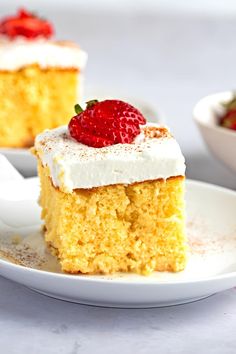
(22, 159)
(211, 229)
(25, 162)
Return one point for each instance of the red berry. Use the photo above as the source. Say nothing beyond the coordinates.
(25, 24)
(23, 13)
(229, 120)
(106, 123)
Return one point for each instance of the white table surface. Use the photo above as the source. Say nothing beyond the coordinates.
(172, 62)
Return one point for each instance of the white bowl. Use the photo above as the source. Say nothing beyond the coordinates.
(221, 141)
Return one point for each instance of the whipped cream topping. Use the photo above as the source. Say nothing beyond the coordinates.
(15, 54)
(154, 154)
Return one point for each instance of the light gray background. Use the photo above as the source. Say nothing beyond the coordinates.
(172, 56)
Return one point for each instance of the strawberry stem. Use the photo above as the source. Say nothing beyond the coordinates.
(78, 109)
(91, 103)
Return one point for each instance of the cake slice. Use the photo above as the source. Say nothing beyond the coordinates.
(38, 77)
(112, 192)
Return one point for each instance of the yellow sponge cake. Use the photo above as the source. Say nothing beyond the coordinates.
(115, 208)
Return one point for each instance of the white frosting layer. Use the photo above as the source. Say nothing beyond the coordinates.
(15, 54)
(73, 165)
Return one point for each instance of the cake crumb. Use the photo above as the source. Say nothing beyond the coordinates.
(16, 239)
(156, 132)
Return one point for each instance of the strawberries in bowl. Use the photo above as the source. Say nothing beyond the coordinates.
(228, 120)
(215, 117)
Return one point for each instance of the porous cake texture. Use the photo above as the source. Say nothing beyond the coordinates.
(32, 100)
(118, 227)
(128, 228)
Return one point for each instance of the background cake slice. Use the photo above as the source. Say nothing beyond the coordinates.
(119, 207)
(40, 79)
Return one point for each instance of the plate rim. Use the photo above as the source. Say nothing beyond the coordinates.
(15, 151)
(155, 282)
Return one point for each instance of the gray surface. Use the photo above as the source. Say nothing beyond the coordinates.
(172, 62)
(32, 323)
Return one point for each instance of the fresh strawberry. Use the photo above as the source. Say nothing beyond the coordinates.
(106, 123)
(25, 24)
(23, 13)
(229, 120)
